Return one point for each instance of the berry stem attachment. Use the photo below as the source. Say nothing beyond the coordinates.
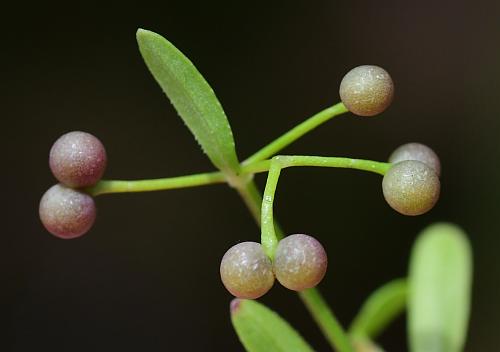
(296, 132)
(269, 239)
(314, 302)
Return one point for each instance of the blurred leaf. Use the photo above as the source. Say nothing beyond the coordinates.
(262, 330)
(192, 97)
(364, 345)
(439, 289)
(381, 307)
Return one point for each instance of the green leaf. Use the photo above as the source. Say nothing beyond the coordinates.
(364, 345)
(262, 330)
(192, 97)
(380, 308)
(439, 289)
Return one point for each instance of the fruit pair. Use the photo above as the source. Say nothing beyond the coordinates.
(77, 160)
(412, 186)
(300, 262)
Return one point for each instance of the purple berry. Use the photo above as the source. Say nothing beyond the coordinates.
(300, 262)
(78, 159)
(67, 213)
(411, 187)
(246, 271)
(419, 152)
(367, 90)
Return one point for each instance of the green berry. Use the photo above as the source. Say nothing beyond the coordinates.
(419, 152)
(246, 271)
(367, 90)
(300, 262)
(411, 187)
(78, 159)
(67, 213)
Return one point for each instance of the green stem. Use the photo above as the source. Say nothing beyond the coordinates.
(268, 235)
(326, 320)
(118, 186)
(296, 132)
(318, 308)
(325, 161)
(161, 184)
(252, 198)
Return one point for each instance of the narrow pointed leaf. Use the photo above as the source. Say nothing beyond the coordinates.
(380, 309)
(262, 330)
(192, 97)
(439, 290)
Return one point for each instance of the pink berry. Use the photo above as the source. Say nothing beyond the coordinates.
(411, 187)
(78, 159)
(246, 271)
(67, 213)
(367, 90)
(300, 262)
(419, 152)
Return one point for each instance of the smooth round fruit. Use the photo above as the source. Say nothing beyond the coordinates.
(367, 90)
(411, 187)
(419, 152)
(300, 262)
(67, 213)
(246, 271)
(78, 159)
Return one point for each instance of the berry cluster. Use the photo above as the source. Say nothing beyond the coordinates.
(77, 160)
(411, 186)
(247, 272)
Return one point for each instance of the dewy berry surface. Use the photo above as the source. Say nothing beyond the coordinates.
(411, 187)
(419, 152)
(78, 159)
(67, 213)
(246, 271)
(300, 262)
(367, 90)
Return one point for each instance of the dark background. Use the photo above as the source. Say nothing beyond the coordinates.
(146, 276)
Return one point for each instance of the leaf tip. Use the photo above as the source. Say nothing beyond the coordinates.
(234, 306)
(141, 33)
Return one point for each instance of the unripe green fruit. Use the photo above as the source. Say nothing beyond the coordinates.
(67, 213)
(411, 187)
(300, 262)
(419, 152)
(246, 271)
(367, 90)
(78, 159)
